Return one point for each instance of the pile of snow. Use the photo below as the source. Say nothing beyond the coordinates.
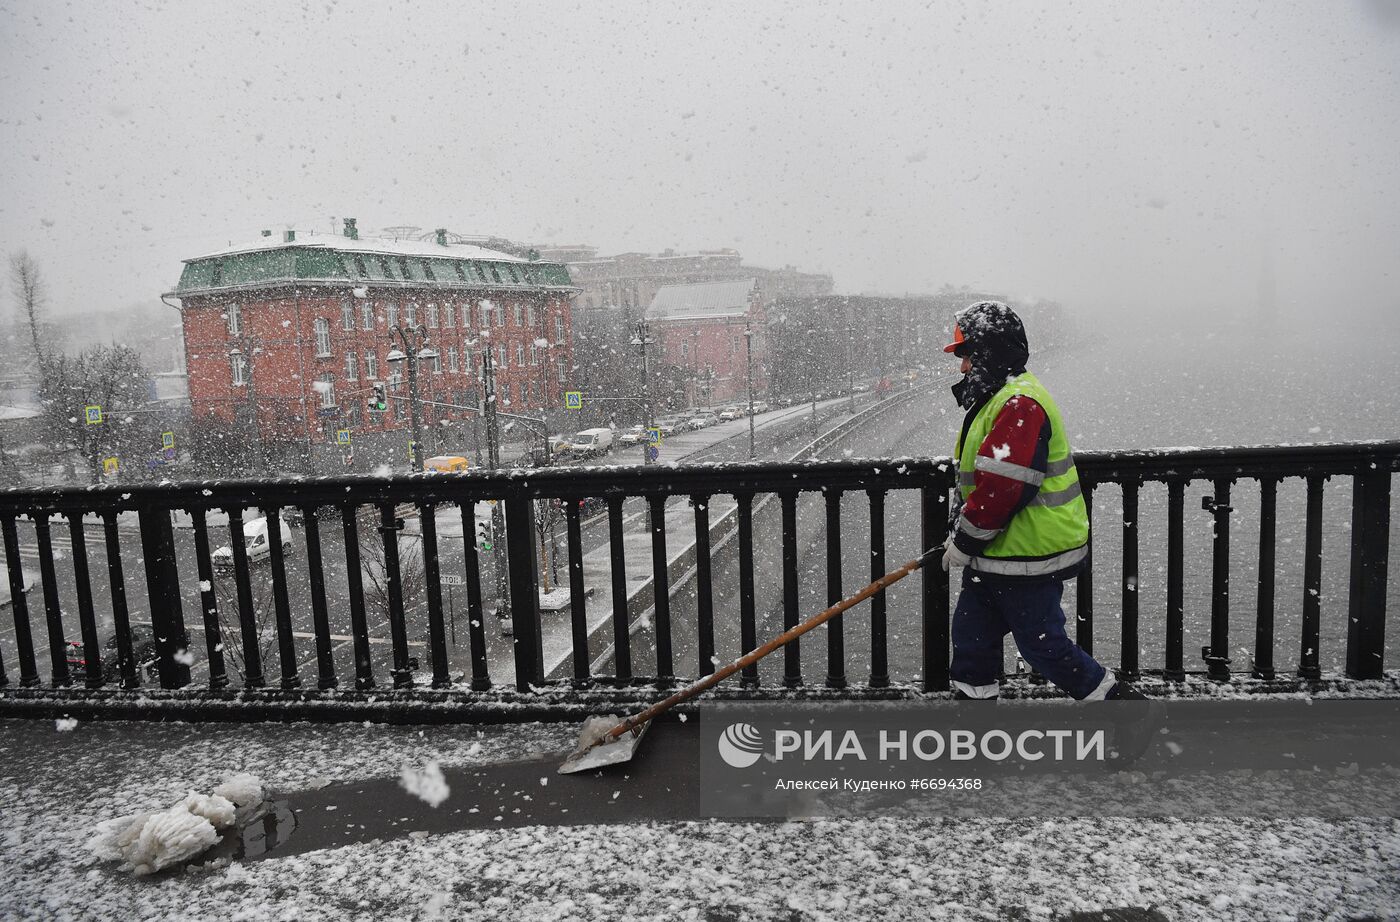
(148, 842)
(426, 783)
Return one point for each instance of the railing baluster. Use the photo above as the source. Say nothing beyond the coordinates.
(704, 594)
(53, 614)
(1129, 671)
(87, 616)
(1308, 667)
(835, 628)
(1175, 670)
(879, 642)
(661, 585)
(476, 620)
(933, 589)
(792, 654)
(1370, 558)
(622, 644)
(1084, 582)
(247, 614)
(208, 601)
(19, 605)
(578, 603)
(393, 587)
(522, 560)
(1264, 619)
(163, 593)
(748, 619)
(320, 615)
(126, 658)
(437, 628)
(281, 605)
(355, 587)
(1217, 654)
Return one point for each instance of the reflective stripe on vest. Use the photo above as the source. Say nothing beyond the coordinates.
(1051, 532)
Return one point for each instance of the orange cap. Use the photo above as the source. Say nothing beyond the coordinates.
(957, 339)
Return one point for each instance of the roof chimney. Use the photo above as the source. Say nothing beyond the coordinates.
(350, 230)
(441, 233)
(289, 236)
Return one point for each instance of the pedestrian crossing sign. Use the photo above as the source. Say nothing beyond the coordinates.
(654, 436)
(167, 440)
(342, 436)
(93, 414)
(110, 465)
(573, 400)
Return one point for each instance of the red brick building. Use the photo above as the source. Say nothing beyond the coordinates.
(290, 335)
(700, 334)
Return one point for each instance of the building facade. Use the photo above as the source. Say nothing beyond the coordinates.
(703, 335)
(288, 337)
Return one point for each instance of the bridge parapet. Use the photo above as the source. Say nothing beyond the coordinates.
(899, 652)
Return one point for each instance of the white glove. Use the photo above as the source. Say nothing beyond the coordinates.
(953, 557)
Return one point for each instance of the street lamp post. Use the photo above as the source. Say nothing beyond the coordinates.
(748, 378)
(641, 338)
(493, 460)
(812, 373)
(415, 347)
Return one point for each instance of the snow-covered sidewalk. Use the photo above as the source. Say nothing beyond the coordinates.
(56, 785)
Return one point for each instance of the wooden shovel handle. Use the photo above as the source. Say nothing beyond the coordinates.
(788, 636)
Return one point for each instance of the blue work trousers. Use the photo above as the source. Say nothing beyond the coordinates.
(1030, 610)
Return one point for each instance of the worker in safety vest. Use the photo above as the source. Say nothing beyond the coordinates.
(1021, 527)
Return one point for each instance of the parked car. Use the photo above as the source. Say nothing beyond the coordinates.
(760, 406)
(592, 442)
(669, 425)
(446, 464)
(255, 540)
(560, 444)
(703, 419)
(633, 435)
(729, 413)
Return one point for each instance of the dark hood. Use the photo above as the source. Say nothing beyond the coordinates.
(995, 340)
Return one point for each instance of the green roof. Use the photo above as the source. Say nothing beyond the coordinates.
(294, 264)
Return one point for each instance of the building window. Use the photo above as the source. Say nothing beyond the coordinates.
(511, 271)
(685, 349)
(534, 353)
(432, 316)
(352, 367)
(519, 355)
(371, 366)
(235, 319)
(734, 346)
(326, 385)
(367, 317)
(558, 329)
(437, 363)
(403, 268)
(461, 276)
(496, 274)
(530, 316)
(516, 311)
(323, 337)
(452, 359)
(504, 363)
(392, 313)
(240, 370)
(347, 315)
(428, 271)
(384, 266)
(449, 315)
(561, 370)
(410, 315)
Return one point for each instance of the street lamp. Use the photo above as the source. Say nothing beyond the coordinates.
(641, 338)
(415, 349)
(748, 378)
(812, 373)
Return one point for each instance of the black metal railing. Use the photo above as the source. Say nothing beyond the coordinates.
(262, 635)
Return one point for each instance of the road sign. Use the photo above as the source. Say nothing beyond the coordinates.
(653, 452)
(93, 414)
(342, 436)
(573, 400)
(452, 579)
(110, 465)
(169, 454)
(167, 440)
(654, 437)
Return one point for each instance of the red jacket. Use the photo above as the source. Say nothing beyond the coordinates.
(1020, 436)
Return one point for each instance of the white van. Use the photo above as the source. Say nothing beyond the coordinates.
(591, 442)
(255, 540)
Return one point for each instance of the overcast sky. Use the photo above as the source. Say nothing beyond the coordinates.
(1143, 157)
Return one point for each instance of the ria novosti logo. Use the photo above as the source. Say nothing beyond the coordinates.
(740, 745)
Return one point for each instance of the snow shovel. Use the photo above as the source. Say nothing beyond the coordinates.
(606, 741)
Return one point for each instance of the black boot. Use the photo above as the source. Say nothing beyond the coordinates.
(1135, 726)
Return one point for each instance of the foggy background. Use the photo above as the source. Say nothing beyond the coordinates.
(1188, 158)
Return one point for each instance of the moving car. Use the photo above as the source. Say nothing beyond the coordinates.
(703, 419)
(592, 442)
(729, 413)
(255, 540)
(446, 464)
(633, 435)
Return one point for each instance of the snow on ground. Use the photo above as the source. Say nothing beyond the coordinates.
(53, 794)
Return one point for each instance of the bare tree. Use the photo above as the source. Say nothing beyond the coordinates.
(109, 377)
(31, 292)
(231, 622)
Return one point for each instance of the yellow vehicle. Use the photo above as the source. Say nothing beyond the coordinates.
(446, 464)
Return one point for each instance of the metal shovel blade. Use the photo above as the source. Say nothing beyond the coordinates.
(592, 752)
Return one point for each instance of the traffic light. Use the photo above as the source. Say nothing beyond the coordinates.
(378, 399)
(483, 534)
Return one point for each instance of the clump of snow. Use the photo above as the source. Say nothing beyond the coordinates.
(243, 790)
(426, 783)
(64, 724)
(148, 842)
